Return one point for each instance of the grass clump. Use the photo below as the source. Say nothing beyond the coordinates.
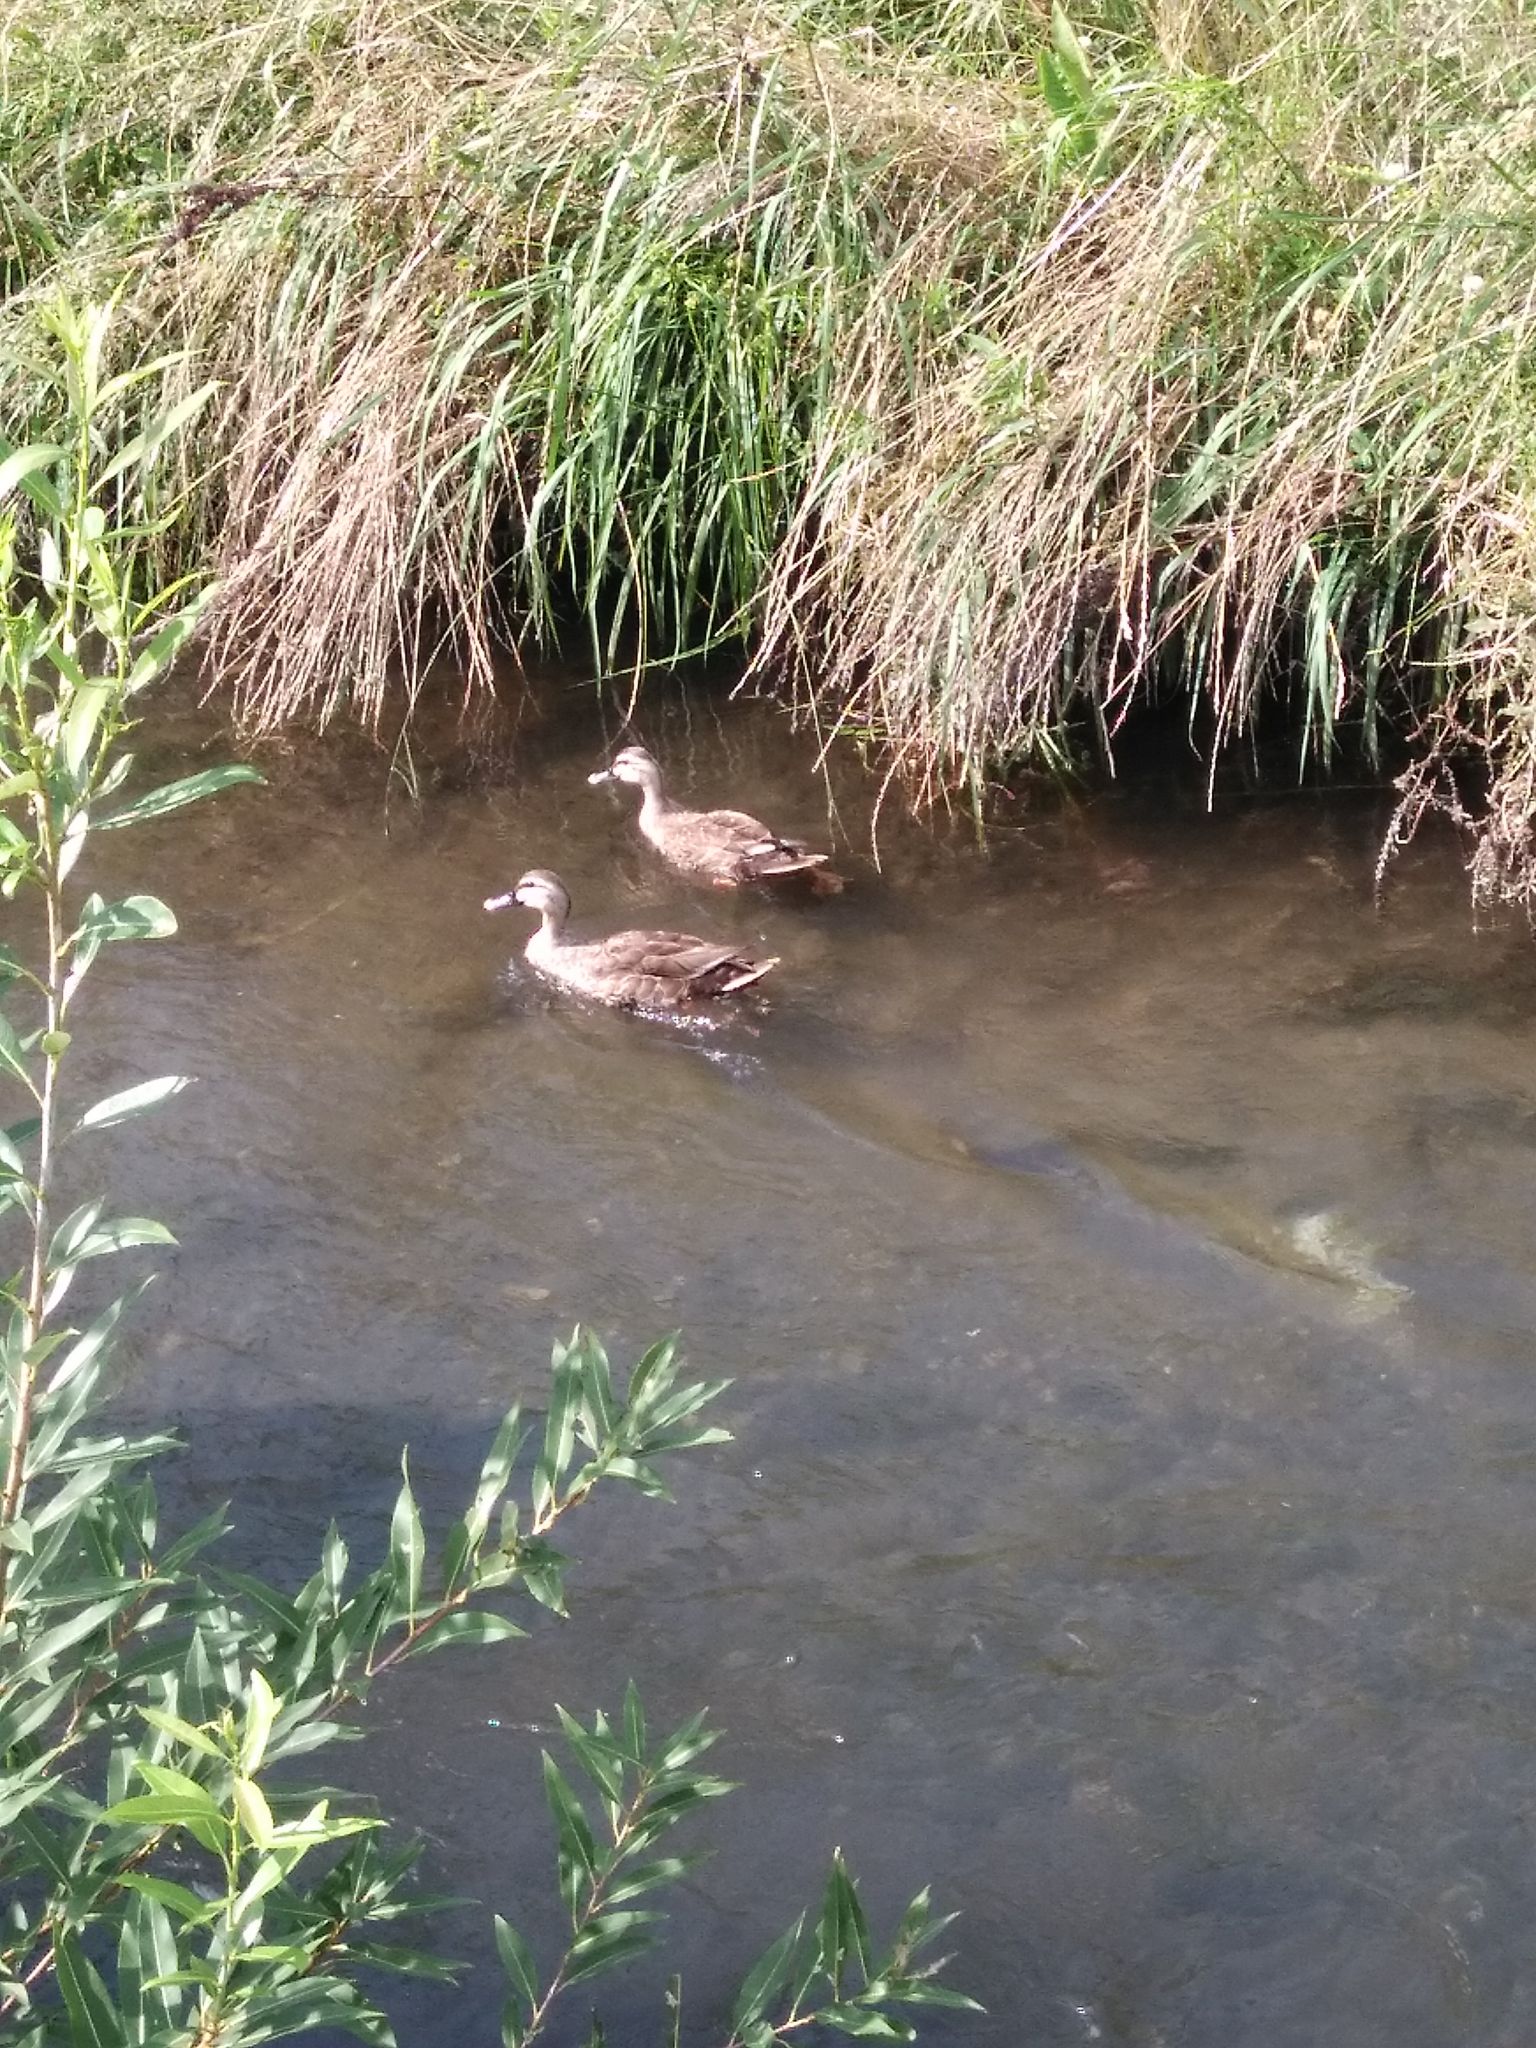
(981, 370)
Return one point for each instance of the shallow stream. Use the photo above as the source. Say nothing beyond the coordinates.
(1121, 1241)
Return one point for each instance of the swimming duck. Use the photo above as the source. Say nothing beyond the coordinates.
(638, 970)
(728, 847)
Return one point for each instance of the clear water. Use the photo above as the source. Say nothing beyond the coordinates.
(1121, 1242)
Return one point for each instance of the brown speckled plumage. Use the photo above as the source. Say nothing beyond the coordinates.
(642, 970)
(724, 847)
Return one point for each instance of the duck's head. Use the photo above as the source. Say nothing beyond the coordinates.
(631, 764)
(541, 890)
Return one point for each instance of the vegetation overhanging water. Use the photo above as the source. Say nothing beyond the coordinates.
(1128, 1263)
(160, 1886)
(983, 370)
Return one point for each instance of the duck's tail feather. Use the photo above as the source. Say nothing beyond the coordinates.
(771, 857)
(742, 973)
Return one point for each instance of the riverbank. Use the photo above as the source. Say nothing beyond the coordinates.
(979, 375)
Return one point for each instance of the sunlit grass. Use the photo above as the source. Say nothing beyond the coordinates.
(980, 376)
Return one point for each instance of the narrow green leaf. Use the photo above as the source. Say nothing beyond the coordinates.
(175, 796)
(132, 917)
(23, 463)
(917, 1992)
(405, 1962)
(146, 1954)
(255, 1814)
(72, 845)
(653, 1374)
(120, 1234)
(577, 1852)
(517, 1961)
(186, 1904)
(311, 2002)
(26, 1709)
(88, 704)
(683, 1439)
(766, 1979)
(127, 380)
(598, 1411)
(464, 1627)
(116, 1109)
(640, 1878)
(202, 1974)
(159, 1810)
(161, 651)
(863, 2023)
(174, 1784)
(50, 564)
(12, 1059)
(23, 1786)
(88, 1348)
(600, 1760)
(39, 1654)
(94, 2021)
(456, 1555)
(260, 1713)
(559, 1428)
(181, 1731)
(160, 429)
(407, 1547)
(12, 1164)
(197, 1538)
(607, 1941)
(544, 1578)
(690, 1741)
(1071, 55)
(494, 1474)
(634, 1724)
(842, 1937)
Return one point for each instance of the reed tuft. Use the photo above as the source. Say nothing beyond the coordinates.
(980, 372)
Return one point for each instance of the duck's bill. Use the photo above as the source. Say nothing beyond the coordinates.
(602, 775)
(500, 902)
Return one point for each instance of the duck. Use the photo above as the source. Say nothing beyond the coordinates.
(639, 970)
(726, 847)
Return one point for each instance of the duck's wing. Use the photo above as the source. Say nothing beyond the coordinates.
(743, 833)
(737, 824)
(649, 966)
(743, 843)
(663, 956)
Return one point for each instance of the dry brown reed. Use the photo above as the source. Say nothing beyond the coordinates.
(982, 372)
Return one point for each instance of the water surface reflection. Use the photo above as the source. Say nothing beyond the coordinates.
(1122, 1245)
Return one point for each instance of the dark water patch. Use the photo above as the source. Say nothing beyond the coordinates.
(1495, 997)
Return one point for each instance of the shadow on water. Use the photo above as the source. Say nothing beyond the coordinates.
(1121, 1243)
